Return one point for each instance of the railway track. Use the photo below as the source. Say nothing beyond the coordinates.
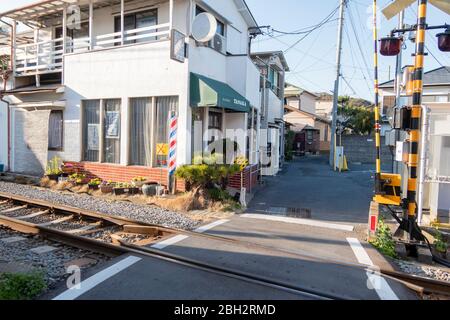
(114, 236)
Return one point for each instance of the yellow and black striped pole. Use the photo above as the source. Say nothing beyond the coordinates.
(377, 103)
(416, 112)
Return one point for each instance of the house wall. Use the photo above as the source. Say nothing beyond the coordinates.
(275, 107)
(324, 108)
(101, 74)
(308, 103)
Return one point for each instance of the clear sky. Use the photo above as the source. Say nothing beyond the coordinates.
(312, 61)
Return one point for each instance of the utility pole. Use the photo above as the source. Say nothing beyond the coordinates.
(336, 83)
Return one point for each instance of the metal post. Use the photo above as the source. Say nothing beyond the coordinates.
(64, 29)
(36, 44)
(423, 161)
(377, 103)
(122, 21)
(398, 76)
(13, 51)
(170, 15)
(336, 83)
(91, 25)
(416, 110)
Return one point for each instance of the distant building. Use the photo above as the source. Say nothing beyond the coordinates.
(300, 98)
(324, 105)
(301, 119)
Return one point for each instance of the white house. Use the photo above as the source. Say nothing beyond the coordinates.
(300, 98)
(436, 178)
(273, 67)
(101, 78)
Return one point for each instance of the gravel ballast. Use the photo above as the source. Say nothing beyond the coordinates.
(144, 213)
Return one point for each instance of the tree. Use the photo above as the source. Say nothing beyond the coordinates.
(356, 115)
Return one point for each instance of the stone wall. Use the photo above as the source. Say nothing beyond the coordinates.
(362, 149)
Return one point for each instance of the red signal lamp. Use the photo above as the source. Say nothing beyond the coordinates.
(444, 41)
(390, 46)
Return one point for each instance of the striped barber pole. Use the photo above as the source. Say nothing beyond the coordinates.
(173, 144)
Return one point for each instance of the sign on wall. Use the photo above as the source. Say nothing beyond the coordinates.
(93, 142)
(177, 47)
(112, 124)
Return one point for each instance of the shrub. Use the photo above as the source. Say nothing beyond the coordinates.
(383, 239)
(21, 286)
(206, 173)
(440, 244)
(54, 167)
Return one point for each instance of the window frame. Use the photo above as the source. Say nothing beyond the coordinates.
(102, 113)
(133, 14)
(60, 149)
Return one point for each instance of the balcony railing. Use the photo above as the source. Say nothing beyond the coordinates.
(47, 56)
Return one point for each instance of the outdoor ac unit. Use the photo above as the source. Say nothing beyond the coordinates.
(219, 43)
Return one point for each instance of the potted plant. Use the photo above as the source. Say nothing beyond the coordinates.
(150, 189)
(78, 178)
(106, 187)
(119, 188)
(138, 181)
(53, 170)
(94, 183)
(67, 169)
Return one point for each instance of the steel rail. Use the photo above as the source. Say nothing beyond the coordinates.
(418, 284)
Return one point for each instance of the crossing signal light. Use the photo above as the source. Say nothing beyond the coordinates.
(444, 41)
(390, 46)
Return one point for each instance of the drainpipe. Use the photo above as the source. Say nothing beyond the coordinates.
(423, 160)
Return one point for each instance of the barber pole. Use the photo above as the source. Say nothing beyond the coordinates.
(173, 145)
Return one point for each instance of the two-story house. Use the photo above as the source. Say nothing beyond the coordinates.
(300, 110)
(100, 80)
(273, 67)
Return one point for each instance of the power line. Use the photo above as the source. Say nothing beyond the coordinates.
(323, 22)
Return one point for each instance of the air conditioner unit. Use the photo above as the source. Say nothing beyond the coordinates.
(219, 43)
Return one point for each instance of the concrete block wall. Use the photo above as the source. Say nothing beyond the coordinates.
(31, 141)
(362, 149)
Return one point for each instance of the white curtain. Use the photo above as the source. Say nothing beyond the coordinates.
(164, 107)
(111, 132)
(91, 130)
(141, 134)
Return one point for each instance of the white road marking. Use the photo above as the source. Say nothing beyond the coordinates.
(88, 284)
(103, 275)
(211, 225)
(165, 243)
(376, 281)
(307, 222)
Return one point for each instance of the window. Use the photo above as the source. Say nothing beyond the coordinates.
(55, 130)
(146, 139)
(91, 130)
(214, 126)
(164, 108)
(274, 79)
(111, 131)
(137, 20)
(309, 135)
(141, 132)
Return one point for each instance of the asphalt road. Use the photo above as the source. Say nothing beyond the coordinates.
(320, 254)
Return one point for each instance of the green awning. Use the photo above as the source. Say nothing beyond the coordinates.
(206, 92)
